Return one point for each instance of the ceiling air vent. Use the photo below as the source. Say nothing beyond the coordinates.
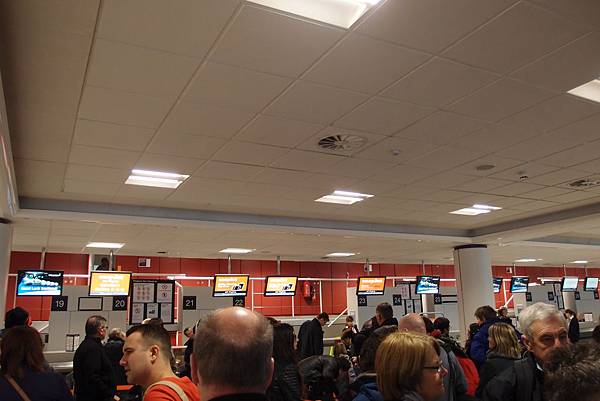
(342, 142)
(586, 182)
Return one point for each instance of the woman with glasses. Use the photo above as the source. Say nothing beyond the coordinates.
(409, 368)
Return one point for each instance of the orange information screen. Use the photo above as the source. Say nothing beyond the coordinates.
(230, 285)
(370, 286)
(280, 286)
(109, 283)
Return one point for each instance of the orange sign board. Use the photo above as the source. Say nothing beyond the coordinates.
(371, 285)
(280, 285)
(231, 285)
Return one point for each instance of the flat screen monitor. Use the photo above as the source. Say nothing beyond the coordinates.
(276, 286)
(109, 283)
(231, 285)
(428, 285)
(39, 282)
(371, 285)
(591, 284)
(569, 284)
(519, 284)
(497, 283)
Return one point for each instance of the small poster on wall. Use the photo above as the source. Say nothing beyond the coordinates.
(137, 313)
(550, 296)
(143, 292)
(404, 290)
(152, 310)
(164, 292)
(166, 313)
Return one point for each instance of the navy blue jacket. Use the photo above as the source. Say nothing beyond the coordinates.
(39, 386)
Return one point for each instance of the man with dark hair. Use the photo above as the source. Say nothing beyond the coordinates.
(15, 317)
(147, 362)
(486, 316)
(385, 315)
(573, 373)
(573, 325)
(92, 370)
(310, 336)
(233, 355)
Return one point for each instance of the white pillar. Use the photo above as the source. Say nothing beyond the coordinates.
(428, 304)
(569, 299)
(473, 271)
(5, 247)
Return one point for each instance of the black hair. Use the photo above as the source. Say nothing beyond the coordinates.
(485, 313)
(93, 324)
(283, 345)
(573, 373)
(154, 334)
(16, 317)
(324, 316)
(441, 324)
(370, 346)
(385, 310)
(428, 324)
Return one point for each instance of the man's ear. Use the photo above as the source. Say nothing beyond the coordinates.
(526, 341)
(272, 370)
(195, 377)
(154, 353)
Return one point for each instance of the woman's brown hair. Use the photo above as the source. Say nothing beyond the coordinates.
(399, 363)
(505, 338)
(20, 349)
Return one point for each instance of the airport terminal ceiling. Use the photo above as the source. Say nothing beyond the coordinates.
(429, 106)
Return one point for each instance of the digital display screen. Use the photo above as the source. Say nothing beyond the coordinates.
(370, 286)
(497, 283)
(591, 284)
(231, 285)
(280, 286)
(428, 285)
(109, 283)
(569, 284)
(519, 284)
(39, 282)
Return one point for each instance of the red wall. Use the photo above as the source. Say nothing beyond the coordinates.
(334, 293)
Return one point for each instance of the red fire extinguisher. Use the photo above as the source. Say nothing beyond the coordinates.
(307, 290)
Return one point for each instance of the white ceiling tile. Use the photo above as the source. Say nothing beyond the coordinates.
(499, 100)
(383, 116)
(249, 153)
(176, 144)
(410, 22)
(445, 158)
(39, 178)
(360, 168)
(123, 108)
(499, 163)
(403, 174)
(396, 150)
(574, 196)
(480, 185)
(536, 148)
(232, 87)
(91, 187)
(494, 138)
(581, 131)
(186, 27)
(573, 156)
(527, 170)
(228, 171)
(364, 64)
(277, 131)
(168, 163)
(95, 156)
(566, 68)
(591, 166)
(546, 193)
(95, 133)
(585, 11)
(447, 179)
(445, 195)
(367, 137)
(271, 42)
(328, 183)
(518, 36)
(441, 128)
(277, 176)
(439, 82)
(141, 192)
(315, 103)
(80, 172)
(559, 176)
(414, 191)
(534, 205)
(374, 186)
(198, 190)
(206, 119)
(307, 161)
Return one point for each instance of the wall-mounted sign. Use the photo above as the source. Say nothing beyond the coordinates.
(144, 262)
(577, 295)
(437, 299)
(239, 301)
(550, 296)
(528, 297)
(189, 302)
(397, 300)
(59, 303)
(362, 300)
(119, 303)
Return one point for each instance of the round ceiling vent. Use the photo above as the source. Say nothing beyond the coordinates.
(586, 182)
(342, 142)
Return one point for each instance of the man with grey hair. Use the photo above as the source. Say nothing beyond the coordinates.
(544, 330)
(232, 359)
(455, 382)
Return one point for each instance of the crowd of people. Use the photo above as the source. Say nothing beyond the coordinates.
(237, 354)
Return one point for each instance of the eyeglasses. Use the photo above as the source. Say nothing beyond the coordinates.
(439, 368)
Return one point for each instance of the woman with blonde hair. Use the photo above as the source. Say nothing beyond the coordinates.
(504, 350)
(409, 368)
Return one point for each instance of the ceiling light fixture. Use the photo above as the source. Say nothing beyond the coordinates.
(580, 261)
(344, 197)
(476, 209)
(342, 13)
(340, 254)
(590, 90)
(525, 260)
(158, 179)
(237, 250)
(105, 245)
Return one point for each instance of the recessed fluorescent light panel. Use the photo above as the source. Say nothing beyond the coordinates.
(340, 254)
(524, 260)
(590, 91)
(236, 250)
(156, 179)
(580, 261)
(106, 245)
(476, 209)
(344, 197)
(342, 13)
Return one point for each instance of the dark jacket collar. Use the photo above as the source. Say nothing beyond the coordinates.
(241, 397)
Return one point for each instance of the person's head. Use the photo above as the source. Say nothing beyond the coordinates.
(370, 346)
(473, 329)
(17, 317)
(20, 348)
(428, 324)
(573, 373)
(484, 313)
(146, 354)
(283, 344)
(339, 349)
(503, 340)
(116, 334)
(569, 313)
(233, 340)
(104, 263)
(408, 362)
(383, 312)
(503, 311)
(323, 318)
(349, 321)
(153, 320)
(413, 323)
(544, 329)
(347, 336)
(442, 324)
(188, 332)
(95, 326)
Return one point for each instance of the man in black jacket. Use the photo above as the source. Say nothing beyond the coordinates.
(92, 371)
(310, 336)
(573, 325)
(384, 313)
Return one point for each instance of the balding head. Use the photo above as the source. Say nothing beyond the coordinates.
(413, 323)
(230, 340)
